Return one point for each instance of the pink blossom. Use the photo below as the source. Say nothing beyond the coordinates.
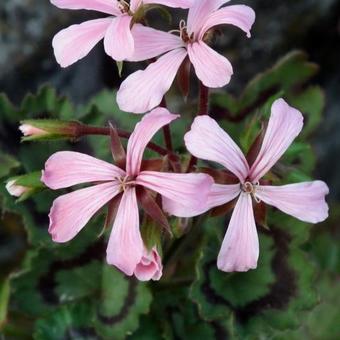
(15, 189)
(29, 130)
(72, 211)
(305, 201)
(144, 90)
(150, 267)
(75, 42)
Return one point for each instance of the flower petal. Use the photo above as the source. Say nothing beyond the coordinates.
(171, 3)
(66, 168)
(125, 248)
(190, 190)
(143, 133)
(199, 13)
(118, 42)
(71, 212)
(284, 125)
(134, 4)
(150, 267)
(14, 189)
(211, 68)
(240, 247)
(150, 43)
(75, 42)
(144, 90)
(238, 15)
(206, 140)
(219, 195)
(305, 201)
(104, 6)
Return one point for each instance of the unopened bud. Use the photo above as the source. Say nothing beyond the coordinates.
(47, 129)
(16, 190)
(25, 186)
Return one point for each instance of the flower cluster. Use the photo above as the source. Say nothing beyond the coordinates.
(134, 184)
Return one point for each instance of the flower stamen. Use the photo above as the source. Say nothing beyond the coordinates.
(124, 6)
(125, 182)
(183, 32)
(250, 188)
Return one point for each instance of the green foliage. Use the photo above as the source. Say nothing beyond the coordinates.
(53, 292)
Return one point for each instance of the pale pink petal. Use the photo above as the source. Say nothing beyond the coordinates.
(206, 140)
(125, 248)
(143, 133)
(284, 125)
(66, 168)
(171, 3)
(29, 130)
(238, 15)
(150, 267)
(75, 42)
(118, 42)
(199, 13)
(219, 195)
(144, 90)
(305, 201)
(150, 43)
(16, 190)
(134, 4)
(211, 68)
(240, 247)
(71, 212)
(104, 6)
(190, 190)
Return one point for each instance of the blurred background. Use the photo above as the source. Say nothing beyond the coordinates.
(27, 61)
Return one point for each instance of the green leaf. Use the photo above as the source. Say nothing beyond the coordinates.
(121, 303)
(311, 102)
(217, 293)
(46, 103)
(67, 322)
(8, 163)
(60, 274)
(288, 73)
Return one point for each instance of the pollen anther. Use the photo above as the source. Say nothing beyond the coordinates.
(250, 188)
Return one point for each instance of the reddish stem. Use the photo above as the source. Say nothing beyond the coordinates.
(166, 131)
(203, 109)
(86, 130)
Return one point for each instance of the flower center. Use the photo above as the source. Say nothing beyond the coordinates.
(250, 188)
(183, 32)
(125, 182)
(124, 6)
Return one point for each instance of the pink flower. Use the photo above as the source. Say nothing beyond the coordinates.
(150, 267)
(305, 201)
(75, 42)
(29, 130)
(71, 212)
(15, 189)
(144, 90)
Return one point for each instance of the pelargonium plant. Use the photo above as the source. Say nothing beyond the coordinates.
(170, 185)
(157, 204)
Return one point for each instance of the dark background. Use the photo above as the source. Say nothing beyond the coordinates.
(26, 57)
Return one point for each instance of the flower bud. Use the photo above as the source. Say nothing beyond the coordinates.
(16, 190)
(29, 130)
(24, 186)
(48, 129)
(150, 267)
